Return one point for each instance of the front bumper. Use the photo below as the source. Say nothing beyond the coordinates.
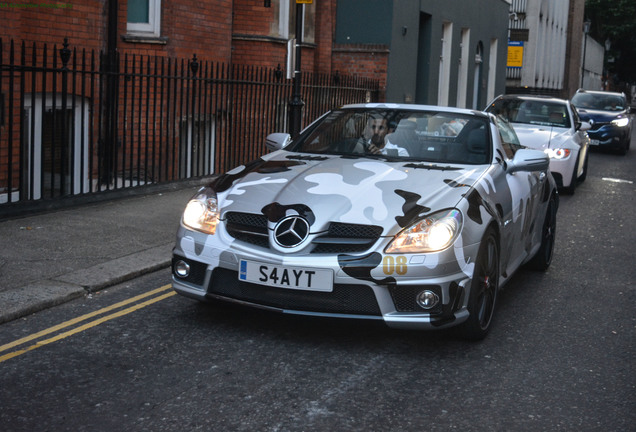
(609, 136)
(562, 170)
(392, 300)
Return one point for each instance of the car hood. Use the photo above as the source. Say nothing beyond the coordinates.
(541, 137)
(599, 116)
(350, 190)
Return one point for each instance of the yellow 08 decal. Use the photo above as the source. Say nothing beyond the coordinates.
(392, 265)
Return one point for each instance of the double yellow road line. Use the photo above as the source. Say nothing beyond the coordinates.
(86, 326)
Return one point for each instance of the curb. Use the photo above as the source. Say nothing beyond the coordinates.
(19, 302)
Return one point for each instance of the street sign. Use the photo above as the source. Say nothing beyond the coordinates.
(515, 54)
(304, 1)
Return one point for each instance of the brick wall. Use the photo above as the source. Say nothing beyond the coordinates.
(82, 21)
(325, 28)
(253, 43)
(194, 26)
(252, 18)
(255, 36)
(368, 61)
(256, 39)
(233, 31)
(187, 27)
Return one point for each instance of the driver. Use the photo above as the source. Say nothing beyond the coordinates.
(379, 130)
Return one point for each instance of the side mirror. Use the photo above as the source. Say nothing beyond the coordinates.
(277, 141)
(583, 126)
(528, 160)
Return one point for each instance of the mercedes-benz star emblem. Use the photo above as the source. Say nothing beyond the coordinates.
(291, 231)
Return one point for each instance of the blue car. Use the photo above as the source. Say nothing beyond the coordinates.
(609, 115)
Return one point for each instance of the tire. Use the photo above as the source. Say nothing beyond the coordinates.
(622, 150)
(543, 258)
(483, 290)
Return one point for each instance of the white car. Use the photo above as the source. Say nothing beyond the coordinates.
(552, 125)
(412, 215)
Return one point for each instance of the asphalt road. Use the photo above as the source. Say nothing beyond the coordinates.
(560, 356)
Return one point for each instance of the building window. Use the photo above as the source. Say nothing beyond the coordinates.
(57, 146)
(196, 149)
(144, 17)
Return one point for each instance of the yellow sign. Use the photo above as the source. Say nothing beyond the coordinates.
(515, 54)
(304, 1)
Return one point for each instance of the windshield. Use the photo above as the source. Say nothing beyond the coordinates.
(603, 102)
(400, 135)
(534, 112)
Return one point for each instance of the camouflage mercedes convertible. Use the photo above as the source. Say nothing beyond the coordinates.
(413, 215)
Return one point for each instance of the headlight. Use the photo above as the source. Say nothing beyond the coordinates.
(435, 233)
(621, 122)
(202, 212)
(558, 153)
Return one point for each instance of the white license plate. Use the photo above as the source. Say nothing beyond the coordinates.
(310, 279)
(594, 142)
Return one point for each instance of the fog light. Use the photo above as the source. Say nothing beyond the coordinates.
(427, 299)
(182, 269)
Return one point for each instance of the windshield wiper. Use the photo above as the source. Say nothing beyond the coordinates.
(382, 156)
(307, 157)
(431, 166)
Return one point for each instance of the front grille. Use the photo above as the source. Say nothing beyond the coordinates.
(344, 238)
(344, 299)
(339, 238)
(597, 125)
(248, 227)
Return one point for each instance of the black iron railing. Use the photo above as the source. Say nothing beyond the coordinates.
(77, 123)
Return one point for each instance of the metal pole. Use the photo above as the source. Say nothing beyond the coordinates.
(296, 103)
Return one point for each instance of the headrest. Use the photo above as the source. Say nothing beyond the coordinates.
(476, 142)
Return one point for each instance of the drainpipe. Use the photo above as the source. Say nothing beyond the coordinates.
(109, 62)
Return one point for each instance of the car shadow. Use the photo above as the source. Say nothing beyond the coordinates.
(236, 321)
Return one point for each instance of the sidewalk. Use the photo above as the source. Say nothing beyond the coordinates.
(47, 259)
